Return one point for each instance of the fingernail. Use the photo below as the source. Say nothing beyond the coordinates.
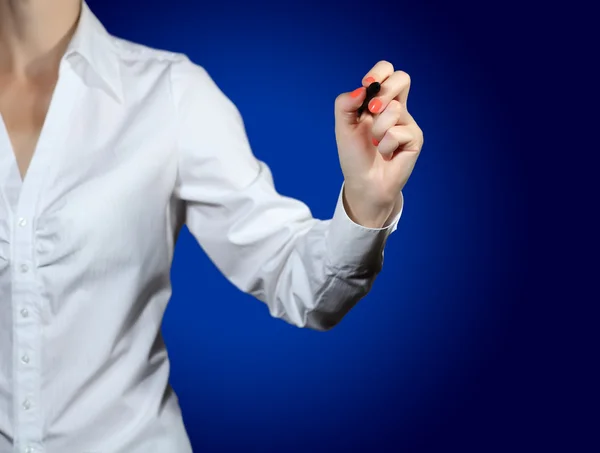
(375, 142)
(375, 105)
(369, 80)
(356, 93)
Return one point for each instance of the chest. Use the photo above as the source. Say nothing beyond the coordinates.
(99, 183)
(24, 106)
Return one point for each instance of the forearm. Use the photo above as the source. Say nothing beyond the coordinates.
(328, 270)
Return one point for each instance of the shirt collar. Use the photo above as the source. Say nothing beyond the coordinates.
(92, 42)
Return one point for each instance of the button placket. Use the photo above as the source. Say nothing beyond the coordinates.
(26, 299)
(26, 331)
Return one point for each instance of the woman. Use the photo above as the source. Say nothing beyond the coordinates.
(106, 149)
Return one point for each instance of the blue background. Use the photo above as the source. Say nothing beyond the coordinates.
(448, 352)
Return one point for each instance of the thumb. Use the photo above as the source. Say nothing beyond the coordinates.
(346, 105)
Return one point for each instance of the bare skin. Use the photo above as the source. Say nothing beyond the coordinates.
(34, 34)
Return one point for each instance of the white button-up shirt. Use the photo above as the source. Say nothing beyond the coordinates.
(137, 143)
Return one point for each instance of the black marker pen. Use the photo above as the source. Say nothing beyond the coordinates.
(372, 91)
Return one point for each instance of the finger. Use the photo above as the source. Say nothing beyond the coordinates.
(378, 73)
(393, 115)
(346, 105)
(396, 87)
(398, 138)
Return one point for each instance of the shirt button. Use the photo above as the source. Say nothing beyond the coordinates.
(24, 268)
(22, 222)
(26, 405)
(25, 359)
(24, 313)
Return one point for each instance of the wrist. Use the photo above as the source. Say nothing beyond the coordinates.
(365, 212)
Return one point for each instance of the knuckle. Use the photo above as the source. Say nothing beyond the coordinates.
(377, 130)
(417, 134)
(395, 107)
(416, 129)
(384, 64)
(396, 133)
(404, 77)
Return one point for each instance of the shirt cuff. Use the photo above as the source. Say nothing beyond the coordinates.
(353, 246)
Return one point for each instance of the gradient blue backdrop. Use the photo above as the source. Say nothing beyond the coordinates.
(432, 359)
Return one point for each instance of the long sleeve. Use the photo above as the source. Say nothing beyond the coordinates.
(309, 272)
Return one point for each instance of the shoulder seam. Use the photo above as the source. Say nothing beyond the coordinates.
(144, 52)
(175, 107)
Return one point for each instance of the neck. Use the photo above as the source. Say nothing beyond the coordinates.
(34, 34)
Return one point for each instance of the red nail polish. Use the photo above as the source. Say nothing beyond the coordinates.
(375, 142)
(375, 105)
(356, 93)
(369, 80)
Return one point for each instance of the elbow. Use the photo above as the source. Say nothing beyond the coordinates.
(321, 325)
(330, 311)
(327, 311)
(323, 321)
